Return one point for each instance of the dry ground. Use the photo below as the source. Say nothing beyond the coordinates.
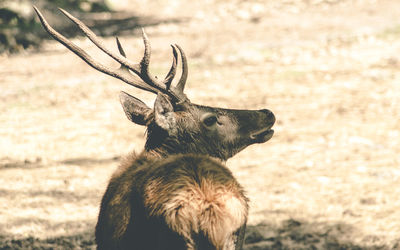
(329, 70)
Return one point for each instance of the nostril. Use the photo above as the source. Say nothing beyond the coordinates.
(270, 115)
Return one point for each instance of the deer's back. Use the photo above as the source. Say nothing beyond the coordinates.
(177, 202)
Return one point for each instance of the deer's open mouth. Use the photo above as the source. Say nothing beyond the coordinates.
(262, 135)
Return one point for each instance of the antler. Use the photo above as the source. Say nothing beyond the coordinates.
(146, 82)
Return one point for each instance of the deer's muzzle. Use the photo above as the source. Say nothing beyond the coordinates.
(263, 135)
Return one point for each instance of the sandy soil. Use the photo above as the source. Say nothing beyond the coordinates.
(329, 70)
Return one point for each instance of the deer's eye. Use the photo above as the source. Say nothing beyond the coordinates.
(209, 120)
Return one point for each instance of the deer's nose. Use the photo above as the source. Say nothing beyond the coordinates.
(270, 115)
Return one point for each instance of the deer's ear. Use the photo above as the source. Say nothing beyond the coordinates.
(164, 113)
(134, 109)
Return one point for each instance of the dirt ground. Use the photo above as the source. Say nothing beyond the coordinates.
(329, 70)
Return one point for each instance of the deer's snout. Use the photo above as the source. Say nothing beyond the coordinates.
(270, 116)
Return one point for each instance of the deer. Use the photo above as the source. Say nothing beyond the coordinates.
(178, 192)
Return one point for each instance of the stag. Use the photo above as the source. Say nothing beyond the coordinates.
(177, 193)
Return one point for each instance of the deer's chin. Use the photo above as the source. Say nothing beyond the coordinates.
(262, 136)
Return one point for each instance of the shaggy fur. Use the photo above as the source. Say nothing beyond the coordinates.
(180, 202)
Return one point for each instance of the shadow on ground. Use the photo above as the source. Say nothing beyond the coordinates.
(7, 163)
(291, 234)
(80, 241)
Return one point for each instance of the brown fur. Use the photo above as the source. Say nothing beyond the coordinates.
(193, 196)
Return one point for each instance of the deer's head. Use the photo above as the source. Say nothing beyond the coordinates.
(174, 124)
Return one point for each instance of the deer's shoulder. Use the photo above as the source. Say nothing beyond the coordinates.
(189, 165)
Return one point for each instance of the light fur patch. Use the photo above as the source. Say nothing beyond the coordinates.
(213, 209)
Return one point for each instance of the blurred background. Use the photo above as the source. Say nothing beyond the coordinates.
(328, 69)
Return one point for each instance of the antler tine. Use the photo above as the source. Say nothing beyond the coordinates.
(145, 67)
(144, 64)
(88, 59)
(171, 74)
(122, 52)
(182, 81)
(120, 49)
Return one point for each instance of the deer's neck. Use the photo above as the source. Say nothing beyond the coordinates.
(160, 144)
(167, 149)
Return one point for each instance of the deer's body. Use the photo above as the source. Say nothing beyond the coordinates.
(177, 194)
(186, 201)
